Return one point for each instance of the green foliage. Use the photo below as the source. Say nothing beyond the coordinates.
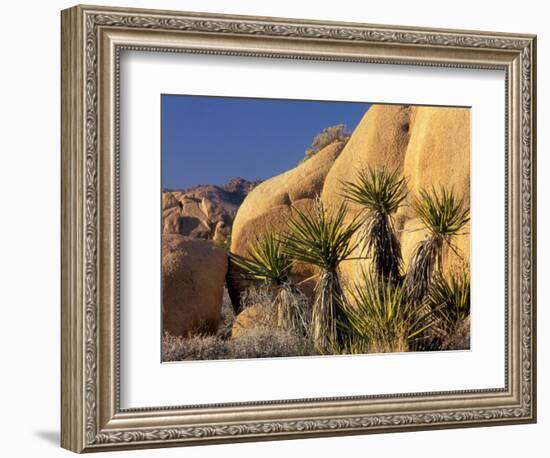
(269, 265)
(382, 319)
(322, 238)
(378, 189)
(266, 262)
(444, 216)
(442, 213)
(381, 192)
(449, 299)
(337, 133)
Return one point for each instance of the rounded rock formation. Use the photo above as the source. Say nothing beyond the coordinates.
(430, 146)
(268, 208)
(438, 155)
(168, 200)
(193, 275)
(251, 317)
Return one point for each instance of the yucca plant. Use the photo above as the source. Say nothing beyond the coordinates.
(380, 192)
(266, 261)
(381, 317)
(323, 239)
(268, 265)
(443, 215)
(449, 299)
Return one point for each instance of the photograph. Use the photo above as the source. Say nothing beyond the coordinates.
(297, 225)
(299, 228)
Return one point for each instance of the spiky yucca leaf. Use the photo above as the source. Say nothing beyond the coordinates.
(381, 192)
(377, 189)
(443, 215)
(323, 239)
(449, 299)
(266, 262)
(319, 237)
(381, 316)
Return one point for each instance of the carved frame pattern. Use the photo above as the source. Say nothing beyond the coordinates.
(90, 21)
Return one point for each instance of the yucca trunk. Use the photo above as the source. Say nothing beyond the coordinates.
(444, 216)
(426, 259)
(386, 249)
(292, 309)
(327, 314)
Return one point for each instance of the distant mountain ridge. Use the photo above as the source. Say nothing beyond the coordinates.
(204, 211)
(235, 190)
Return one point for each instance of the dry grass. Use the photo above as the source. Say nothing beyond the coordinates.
(227, 319)
(283, 306)
(260, 296)
(260, 342)
(264, 338)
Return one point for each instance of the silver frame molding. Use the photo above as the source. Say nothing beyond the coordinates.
(92, 40)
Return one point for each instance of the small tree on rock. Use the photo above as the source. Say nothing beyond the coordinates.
(331, 134)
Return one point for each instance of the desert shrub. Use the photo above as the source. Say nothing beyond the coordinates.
(193, 348)
(259, 295)
(266, 261)
(444, 216)
(380, 192)
(260, 342)
(321, 238)
(337, 133)
(449, 299)
(265, 342)
(381, 318)
(282, 306)
(270, 266)
(293, 310)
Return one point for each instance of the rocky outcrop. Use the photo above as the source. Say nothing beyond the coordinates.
(268, 208)
(380, 139)
(168, 201)
(193, 274)
(204, 211)
(251, 317)
(267, 205)
(428, 145)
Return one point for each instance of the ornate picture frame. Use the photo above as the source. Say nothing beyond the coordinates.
(92, 41)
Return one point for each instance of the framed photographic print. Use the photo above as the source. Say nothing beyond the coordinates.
(278, 228)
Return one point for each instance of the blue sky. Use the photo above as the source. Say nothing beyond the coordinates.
(209, 140)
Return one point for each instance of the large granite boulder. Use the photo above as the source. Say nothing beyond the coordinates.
(430, 146)
(438, 155)
(267, 208)
(254, 316)
(193, 275)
